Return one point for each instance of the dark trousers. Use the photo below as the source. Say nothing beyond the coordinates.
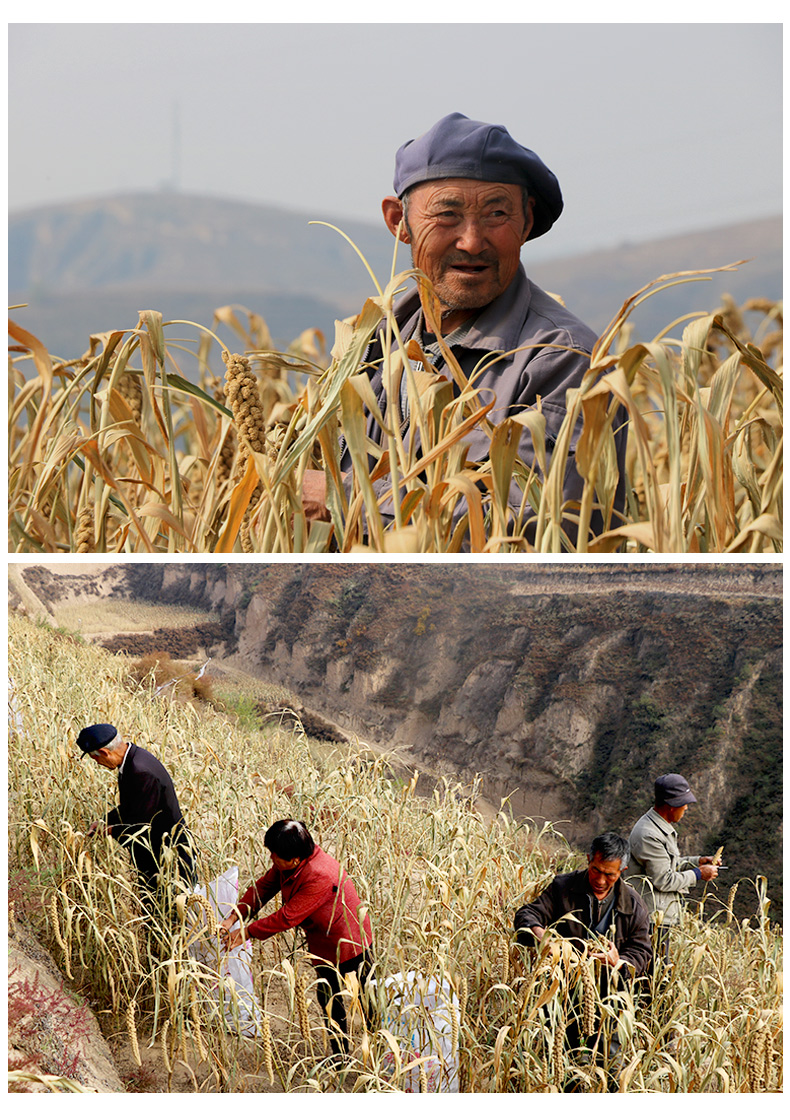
(157, 890)
(606, 1050)
(328, 992)
(661, 973)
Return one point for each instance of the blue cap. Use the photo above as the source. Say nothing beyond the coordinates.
(457, 148)
(95, 737)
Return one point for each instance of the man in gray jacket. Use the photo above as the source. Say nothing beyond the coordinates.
(659, 872)
(468, 197)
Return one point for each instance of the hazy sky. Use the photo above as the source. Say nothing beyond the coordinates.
(651, 129)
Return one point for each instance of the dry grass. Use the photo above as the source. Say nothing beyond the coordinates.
(118, 452)
(106, 616)
(441, 885)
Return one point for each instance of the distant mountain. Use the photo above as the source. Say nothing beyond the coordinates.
(171, 241)
(595, 285)
(90, 266)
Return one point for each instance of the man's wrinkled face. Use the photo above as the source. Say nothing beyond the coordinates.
(466, 236)
(602, 874)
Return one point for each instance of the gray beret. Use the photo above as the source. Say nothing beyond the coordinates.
(457, 148)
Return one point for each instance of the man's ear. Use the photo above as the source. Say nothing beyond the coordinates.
(529, 219)
(392, 209)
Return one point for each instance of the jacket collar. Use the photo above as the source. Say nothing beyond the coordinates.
(130, 750)
(497, 327)
(667, 828)
(624, 897)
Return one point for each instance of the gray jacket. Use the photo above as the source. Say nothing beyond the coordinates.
(658, 871)
(522, 316)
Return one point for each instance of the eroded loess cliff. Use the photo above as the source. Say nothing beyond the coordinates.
(568, 702)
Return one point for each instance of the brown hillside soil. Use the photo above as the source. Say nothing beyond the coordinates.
(51, 1032)
(54, 1033)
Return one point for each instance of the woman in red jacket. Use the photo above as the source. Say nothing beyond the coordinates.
(320, 898)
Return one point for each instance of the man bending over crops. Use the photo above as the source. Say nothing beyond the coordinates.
(148, 821)
(467, 198)
(596, 910)
(605, 920)
(319, 897)
(660, 874)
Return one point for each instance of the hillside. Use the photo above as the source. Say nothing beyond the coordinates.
(439, 881)
(170, 241)
(595, 284)
(90, 266)
(567, 688)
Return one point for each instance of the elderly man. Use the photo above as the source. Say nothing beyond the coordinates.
(596, 910)
(468, 197)
(594, 904)
(148, 821)
(661, 875)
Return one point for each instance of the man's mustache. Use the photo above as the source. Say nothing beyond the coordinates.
(469, 261)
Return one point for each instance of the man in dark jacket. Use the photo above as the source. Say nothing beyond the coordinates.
(596, 910)
(148, 821)
(594, 904)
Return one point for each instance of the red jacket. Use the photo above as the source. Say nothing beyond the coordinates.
(315, 899)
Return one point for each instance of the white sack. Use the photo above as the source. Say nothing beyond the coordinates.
(419, 1014)
(234, 968)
